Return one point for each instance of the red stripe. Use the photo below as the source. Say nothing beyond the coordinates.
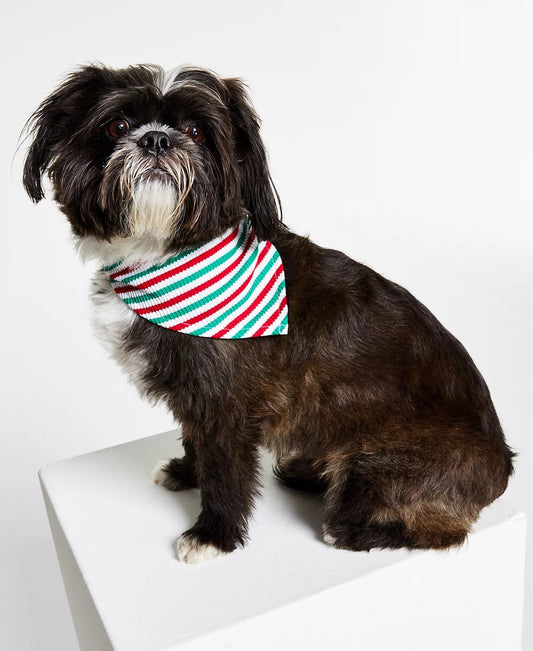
(212, 310)
(271, 319)
(223, 303)
(121, 272)
(199, 288)
(252, 306)
(186, 265)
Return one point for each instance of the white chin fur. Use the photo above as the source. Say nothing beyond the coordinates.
(152, 218)
(152, 210)
(151, 215)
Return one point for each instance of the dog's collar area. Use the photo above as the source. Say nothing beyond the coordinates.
(232, 287)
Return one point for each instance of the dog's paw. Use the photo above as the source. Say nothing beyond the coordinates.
(190, 550)
(327, 537)
(159, 471)
(174, 474)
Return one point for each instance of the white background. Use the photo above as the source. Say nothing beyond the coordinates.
(398, 131)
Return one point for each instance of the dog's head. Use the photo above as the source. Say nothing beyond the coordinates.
(136, 153)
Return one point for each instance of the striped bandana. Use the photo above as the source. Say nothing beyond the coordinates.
(232, 287)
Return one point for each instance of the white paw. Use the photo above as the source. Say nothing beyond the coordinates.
(189, 550)
(157, 473)
(327, 537)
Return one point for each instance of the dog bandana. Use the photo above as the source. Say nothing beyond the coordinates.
(232, 287)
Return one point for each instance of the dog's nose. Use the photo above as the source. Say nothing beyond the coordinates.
(155, 142)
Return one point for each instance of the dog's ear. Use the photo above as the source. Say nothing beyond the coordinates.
(46, 127)
(259, 194)
(43, 129)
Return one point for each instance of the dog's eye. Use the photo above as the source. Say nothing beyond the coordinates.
(195, 134)
(118, 128)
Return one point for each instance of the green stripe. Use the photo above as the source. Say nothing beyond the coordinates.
(176, 258)
(243, 300)
(284, 324)
(260, 315)
(112, 266)
(205, 301)
(146, 296)
(158, 267)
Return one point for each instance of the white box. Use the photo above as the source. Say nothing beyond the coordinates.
(115, 530)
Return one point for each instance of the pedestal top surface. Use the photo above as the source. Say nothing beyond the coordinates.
(122, 529)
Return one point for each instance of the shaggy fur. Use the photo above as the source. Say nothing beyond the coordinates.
(369, 399)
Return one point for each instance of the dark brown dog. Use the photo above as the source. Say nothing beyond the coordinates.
(368, 398)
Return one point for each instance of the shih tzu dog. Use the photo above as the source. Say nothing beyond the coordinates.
(252, 335)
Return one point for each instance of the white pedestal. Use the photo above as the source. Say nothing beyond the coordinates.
(115, 530)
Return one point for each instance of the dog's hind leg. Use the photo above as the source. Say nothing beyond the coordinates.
(366, 511)
(301, 474)
(352, 503)
(177, 474)
(440, 532)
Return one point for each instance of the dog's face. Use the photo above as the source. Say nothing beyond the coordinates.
(135, 153)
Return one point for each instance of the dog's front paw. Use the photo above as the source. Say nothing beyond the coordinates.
(190, 550)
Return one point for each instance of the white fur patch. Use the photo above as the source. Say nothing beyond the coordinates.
(327, 537)
(158, 475)
(166, 80)
(111, 319)
(128, 249)
(190, 551)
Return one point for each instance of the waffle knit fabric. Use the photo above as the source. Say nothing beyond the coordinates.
(232, 287)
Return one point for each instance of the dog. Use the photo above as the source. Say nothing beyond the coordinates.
(357, 389)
